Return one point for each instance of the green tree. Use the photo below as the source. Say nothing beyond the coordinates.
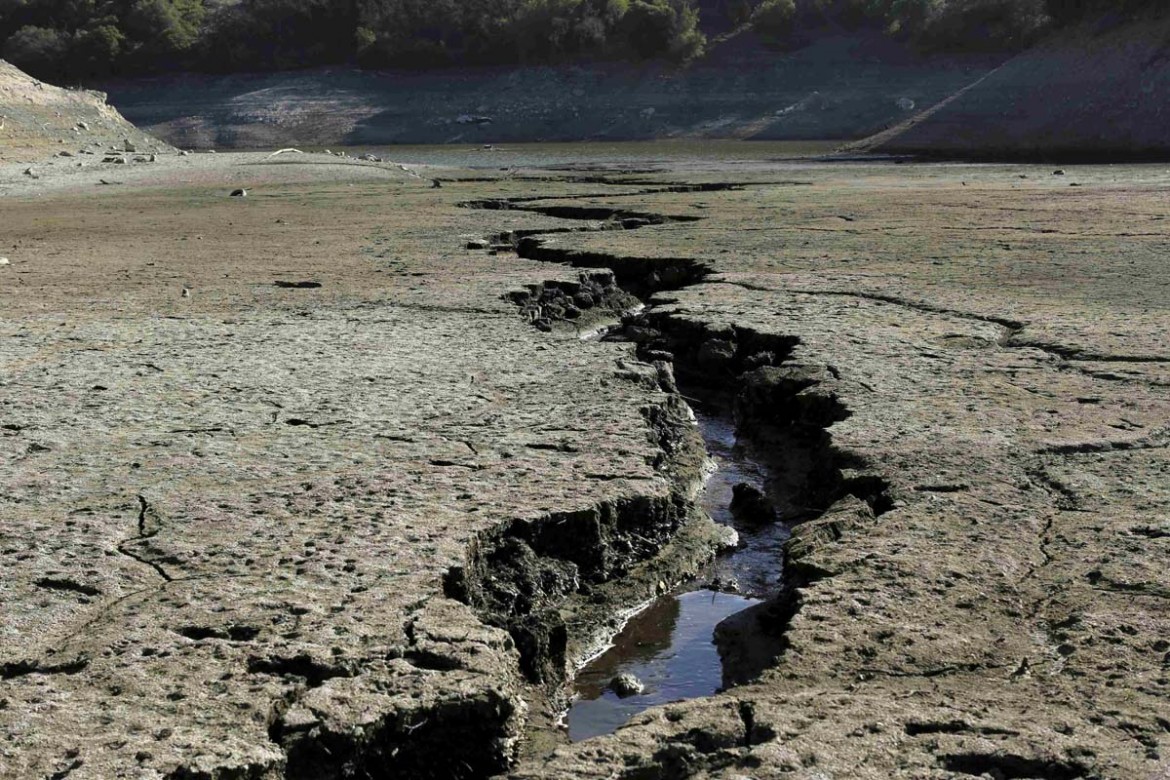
(39, 50)
(166, 26)
(663, 28)
(96, 50)
(775, 20)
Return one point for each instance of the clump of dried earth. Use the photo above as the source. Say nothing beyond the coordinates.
(361, 524)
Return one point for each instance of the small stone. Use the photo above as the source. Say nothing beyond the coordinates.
(749, 504)
(3, 261)
(723, 585)
(727, 537)
(1058, 172)
(240, 193)
(478, 243)
(626, 685)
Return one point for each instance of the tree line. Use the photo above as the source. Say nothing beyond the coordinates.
(942, 25)
(71, 40)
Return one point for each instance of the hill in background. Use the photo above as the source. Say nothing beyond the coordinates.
(1098, 91)
(841, 86)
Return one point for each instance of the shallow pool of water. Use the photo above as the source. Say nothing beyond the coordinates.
(670, 646)
(756, 568)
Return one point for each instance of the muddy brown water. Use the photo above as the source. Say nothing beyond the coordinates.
(669, 646)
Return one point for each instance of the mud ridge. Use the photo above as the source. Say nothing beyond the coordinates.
(640, 276)
(519, 576)
(594, 298)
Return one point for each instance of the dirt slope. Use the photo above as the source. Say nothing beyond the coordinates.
(38, 120)
(842, 86)
(1092, 92)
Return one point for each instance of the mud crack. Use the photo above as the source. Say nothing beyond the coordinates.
(148, 528)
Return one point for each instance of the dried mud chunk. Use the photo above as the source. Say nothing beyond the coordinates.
(749, 504)
(626, 685)
(716, 354)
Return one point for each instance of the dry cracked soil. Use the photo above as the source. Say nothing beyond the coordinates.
(311, 484)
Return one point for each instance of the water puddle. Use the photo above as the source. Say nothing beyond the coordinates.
(755, 568)
(669, 647)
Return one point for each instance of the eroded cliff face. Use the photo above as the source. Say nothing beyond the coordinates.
(1096, 92)
(38, 120)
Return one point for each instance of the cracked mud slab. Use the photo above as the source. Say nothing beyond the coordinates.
(228, 518)
(1007, 617)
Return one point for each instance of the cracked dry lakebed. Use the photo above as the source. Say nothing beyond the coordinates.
(359, 477)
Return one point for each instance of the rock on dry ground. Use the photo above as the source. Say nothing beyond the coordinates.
(228, 518)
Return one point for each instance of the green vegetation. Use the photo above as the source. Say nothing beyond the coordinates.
(70, 40)
(950, 24)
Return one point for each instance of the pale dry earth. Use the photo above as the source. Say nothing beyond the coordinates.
(1000, 345)
(230, 519)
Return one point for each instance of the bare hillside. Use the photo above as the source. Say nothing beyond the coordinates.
(38, 120)
(843, 86)
(1093, 92)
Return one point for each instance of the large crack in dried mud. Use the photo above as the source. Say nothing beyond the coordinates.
(550, 589)
(523, 577)
(790, 408)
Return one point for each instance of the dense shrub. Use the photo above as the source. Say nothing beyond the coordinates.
(41, 50)
(78, 39)
(775, 20)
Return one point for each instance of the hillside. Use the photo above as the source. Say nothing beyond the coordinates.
(1089, 92)
(842, 86)
(38, 120)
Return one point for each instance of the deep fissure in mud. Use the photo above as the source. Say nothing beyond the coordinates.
(556, 582)
(750, 382)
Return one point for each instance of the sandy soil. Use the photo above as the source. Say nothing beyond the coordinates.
(38, 120)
